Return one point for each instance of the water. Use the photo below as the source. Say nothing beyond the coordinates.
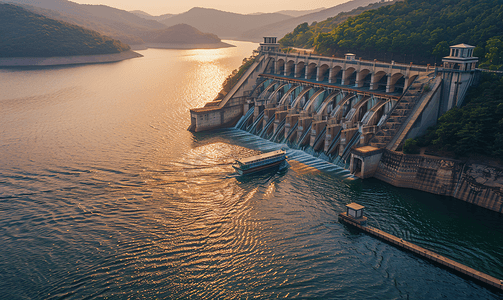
(105, 194)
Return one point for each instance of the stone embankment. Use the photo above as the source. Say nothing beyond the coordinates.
(474, 183)
(66, 60)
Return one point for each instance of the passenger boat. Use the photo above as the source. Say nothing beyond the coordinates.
(260, 162)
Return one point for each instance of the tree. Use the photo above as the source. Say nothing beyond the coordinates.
(494, 53)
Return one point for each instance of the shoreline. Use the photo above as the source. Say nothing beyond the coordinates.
(178, 46)
(67, 60)
(7, 62)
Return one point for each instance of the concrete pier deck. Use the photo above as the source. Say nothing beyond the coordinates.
(427, 254)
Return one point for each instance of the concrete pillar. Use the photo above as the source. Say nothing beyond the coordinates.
(306, 72)
(330, 73)
(373, 84)
(318, 73)
(389, 87)
(343, 77)
(295, 70)
(405, 83)
(246, 107)
(359, 80)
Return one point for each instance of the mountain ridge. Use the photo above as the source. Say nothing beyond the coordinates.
(224, 24)
(116, 23)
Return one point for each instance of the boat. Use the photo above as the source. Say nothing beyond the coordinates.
(260, 162)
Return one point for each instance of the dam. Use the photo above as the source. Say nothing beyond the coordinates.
(356, 114)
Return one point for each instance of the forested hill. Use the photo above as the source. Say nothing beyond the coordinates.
(420, 31)
(303, 35)
(25, 34)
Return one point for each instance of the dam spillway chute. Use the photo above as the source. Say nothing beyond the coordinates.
(338, 110)
(356, 110)
(266, 127)
(341, 160)
(303, 137)
(319, 139)
(301, 96)
(312, 100)
(253, 128)
(288, 94)
(278, 131)
(277, 92)
(334, 143)
(372, 114)
(243, 122)
(327, 102)
(269, 85)
(291, 132)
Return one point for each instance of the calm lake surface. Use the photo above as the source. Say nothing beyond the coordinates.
(105, 194)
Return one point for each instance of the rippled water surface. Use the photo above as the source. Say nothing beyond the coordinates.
(105, 194)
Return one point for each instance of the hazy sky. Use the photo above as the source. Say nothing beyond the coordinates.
(159, 7)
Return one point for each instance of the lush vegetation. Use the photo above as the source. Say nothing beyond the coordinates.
(25, 34)
(234, 77)
(303, 35)
(415, 30)
(475, 128)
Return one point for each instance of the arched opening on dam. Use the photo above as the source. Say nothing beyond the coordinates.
(300, 70)
(363, 79)
(395, 82)
(349, 76)
(323, 73)
(336, 75)
(379, 82)
(290, 68)
(311, 71)
(280, 67)
(400, 85)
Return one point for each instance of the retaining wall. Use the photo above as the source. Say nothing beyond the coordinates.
(473, 183)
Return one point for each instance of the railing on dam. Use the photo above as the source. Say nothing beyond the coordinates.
(361, 62)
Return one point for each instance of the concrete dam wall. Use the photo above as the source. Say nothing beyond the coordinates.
(356, 114)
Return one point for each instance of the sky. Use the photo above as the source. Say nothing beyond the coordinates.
(159, 7)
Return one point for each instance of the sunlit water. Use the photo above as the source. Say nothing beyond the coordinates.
(105, 194)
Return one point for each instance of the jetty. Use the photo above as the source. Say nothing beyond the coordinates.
(354, 217)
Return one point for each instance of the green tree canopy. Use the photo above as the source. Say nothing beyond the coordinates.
(421, 30)
(475, 128)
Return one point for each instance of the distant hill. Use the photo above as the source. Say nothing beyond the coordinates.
(294, 13)
(148, 16)
(298, 13)
(25, 34)
(281, 27)
(224, 24)
(181, 34)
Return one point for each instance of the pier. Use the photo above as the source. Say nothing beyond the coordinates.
(359, 222)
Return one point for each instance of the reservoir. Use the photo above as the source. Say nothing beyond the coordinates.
(104, 194)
